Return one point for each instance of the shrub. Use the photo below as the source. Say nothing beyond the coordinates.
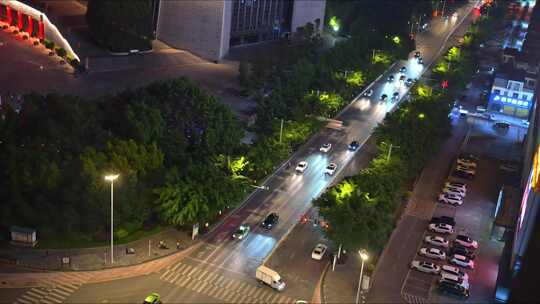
(61, 52)
(49, 44)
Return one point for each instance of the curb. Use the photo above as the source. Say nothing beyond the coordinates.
(322, 296)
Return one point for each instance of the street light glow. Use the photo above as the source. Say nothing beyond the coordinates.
(111, 177)
(363, 254)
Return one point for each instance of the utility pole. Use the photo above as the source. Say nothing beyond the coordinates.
(390, 151)
(444, 5)
(281, 131)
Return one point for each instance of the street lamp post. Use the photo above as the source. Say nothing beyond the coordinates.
(111, 178)
(363, 256)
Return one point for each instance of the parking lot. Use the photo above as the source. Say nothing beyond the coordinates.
(473, 218)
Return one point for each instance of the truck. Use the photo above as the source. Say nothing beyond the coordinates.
(269, 277)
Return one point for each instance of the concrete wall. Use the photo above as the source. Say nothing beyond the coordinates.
(201, 27)
(305, 11)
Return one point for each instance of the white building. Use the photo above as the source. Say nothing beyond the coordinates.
(512, 94)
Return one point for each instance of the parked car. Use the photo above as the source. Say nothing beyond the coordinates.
(420, 60)
(455, 271)
(408, 82)
(463, 174)
(301, 167)
(466, 168)
(402, 78)
(330, 169)
(432, 253)
(395, 96)
(447, 277)
(241, 233)
(368, 93)
(458, 249)
(465, 162)
(452, 195)
(325, 147)
(441, 228)
(270, 221)
(318, 252)
(466, 241)
(417, 54)
(461, 186)
(391, 78)
(383, 97)
(443, 219)
(470, 157)
(427, 267)
(453, 289)
(436, 241)
(450, 201)
(403, 70)
(453, 191)
(354, 145)
(461, 261)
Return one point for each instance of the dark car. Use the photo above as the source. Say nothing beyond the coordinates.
(444, 220)
(403, 70)
(417, 54)
(420, 60)
(453, 289)
(463, 174)
(391, 78)
(270, 221)
(384, 97)
(458, 249)
(368, 93)
(402, 78)
(354, 145)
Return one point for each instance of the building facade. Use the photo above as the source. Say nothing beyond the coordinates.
(210, 28)
(512, 94)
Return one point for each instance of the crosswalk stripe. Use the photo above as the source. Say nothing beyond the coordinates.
(250, 290)
(62, 292)
(201, 286)
(257, 293)
(68, 287)
(173, 279)
(210, 277)
(38, 292)
(243, 299)
(285, 299)
(164, 274)
(267, 296)
(219, 281)
(55, 298)
(228, 284)
(169, 276)
(207, 288)
(192, 283)
(235, 298)
(201, 274)
(274, 298)
(193, 271)
(230, 295)
(186, 270)
(175, 267)
(182, 281)
(26, 299)
(235, 285)
(23, 301)
(219, 293)
(181, 268)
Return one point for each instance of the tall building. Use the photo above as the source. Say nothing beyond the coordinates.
(209, 28)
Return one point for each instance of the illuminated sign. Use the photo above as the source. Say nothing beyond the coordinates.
(520, 102)
(535, 178)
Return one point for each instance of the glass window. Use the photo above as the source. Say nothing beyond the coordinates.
(515, 95)
(498, 92)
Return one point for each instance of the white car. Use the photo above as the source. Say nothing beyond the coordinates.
(302, 166)
(318, 252)
(455, 271)
(461, 261)
(453, 189)
(465, 162)
(325, 147)
(466, 169)
(458, 185)
(441, 228)
(427, 267)
(450, 201)
(437, 241)
(447, 277)
(432, 253)
(452, 195)
(466, 241)
(330, 169)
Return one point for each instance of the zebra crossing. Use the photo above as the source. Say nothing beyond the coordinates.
(412, 299)
(225, 289)
(54, 289)
(45, 295)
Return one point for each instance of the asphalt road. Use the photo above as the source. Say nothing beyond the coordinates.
(222, 270)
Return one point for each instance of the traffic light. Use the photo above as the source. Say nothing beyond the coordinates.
(444, 84)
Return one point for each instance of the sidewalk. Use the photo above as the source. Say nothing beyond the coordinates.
(340, 286)
(96, 258)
